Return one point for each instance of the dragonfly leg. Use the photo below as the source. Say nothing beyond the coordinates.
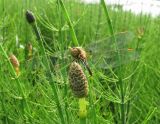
(87, 67)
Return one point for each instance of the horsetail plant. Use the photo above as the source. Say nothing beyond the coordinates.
(15, 63)
(121, 85)
(19, 86)
(32, 21)
(73, 34)
(79, 86)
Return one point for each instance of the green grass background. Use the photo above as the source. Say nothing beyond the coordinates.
(50, 100)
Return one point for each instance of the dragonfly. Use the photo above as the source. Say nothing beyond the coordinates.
(79, 54)
(102, 53)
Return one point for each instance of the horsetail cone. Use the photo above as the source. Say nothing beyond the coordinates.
(32, 21)
(78, 81)
(14, 61)
(30, 17)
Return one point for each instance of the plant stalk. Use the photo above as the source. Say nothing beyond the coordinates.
(73, 34)
(123, 118)
(45, 60)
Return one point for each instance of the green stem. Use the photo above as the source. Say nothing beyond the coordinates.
(123, 118)
(92, 104)
(83, 110)
(98, 21)
(52, 84)
(2, 96)
(3, 10)
(19, 87)
(131, 81)
(73, 34)
(111, 30)
(119, 60)
(83, 121)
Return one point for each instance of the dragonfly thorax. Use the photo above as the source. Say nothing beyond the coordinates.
(78, 53)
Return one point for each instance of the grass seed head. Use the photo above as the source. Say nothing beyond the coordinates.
(30, 17)
(78, 81)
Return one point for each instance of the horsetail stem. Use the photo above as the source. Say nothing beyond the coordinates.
(73, 34)
(82, 107)
(122, 105)
(19, 86)
(29, 50)
(79, 86)
(54, 89)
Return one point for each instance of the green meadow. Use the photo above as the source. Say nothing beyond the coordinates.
(123, 53)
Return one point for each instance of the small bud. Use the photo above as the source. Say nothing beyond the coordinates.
(30, 17)
(15, 63)
(78, 81)
(14, 60)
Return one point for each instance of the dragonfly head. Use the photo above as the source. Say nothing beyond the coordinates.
(78, 53)
(74, 51)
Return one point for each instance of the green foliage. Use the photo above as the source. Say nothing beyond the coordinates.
(128, 92)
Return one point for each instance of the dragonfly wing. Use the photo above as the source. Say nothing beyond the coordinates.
(108, 44)
(105, 63)
(105, 55)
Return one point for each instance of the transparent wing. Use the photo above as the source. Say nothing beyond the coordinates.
(104, 54)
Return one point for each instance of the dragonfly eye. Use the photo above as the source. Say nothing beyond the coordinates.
(74, 51)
